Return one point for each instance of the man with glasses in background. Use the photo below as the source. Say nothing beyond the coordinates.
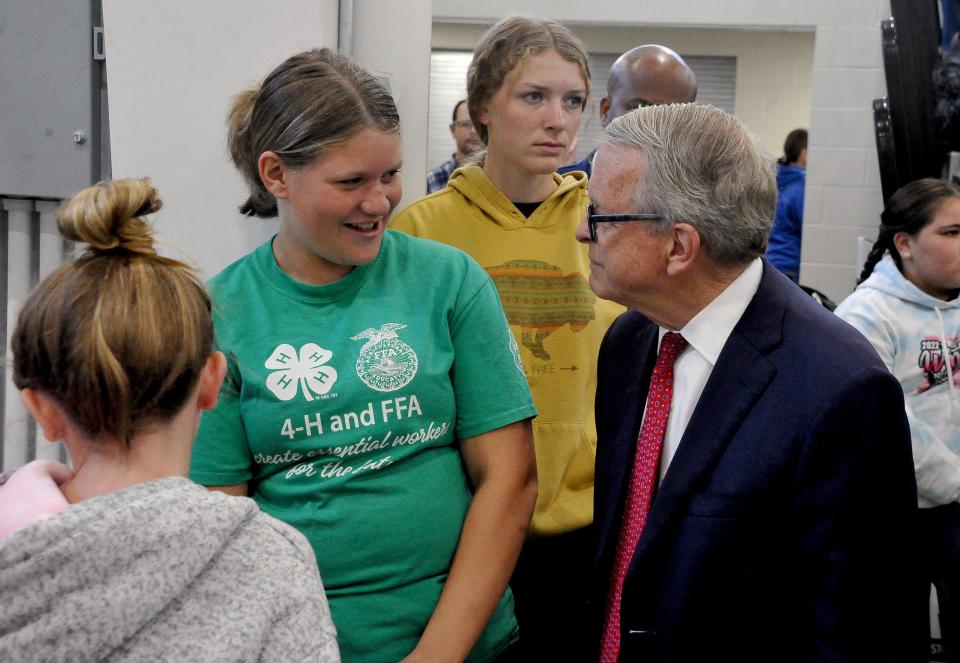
(468, 142)
(643, 76)
(755, 496)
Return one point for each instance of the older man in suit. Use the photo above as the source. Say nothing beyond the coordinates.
(755, 497)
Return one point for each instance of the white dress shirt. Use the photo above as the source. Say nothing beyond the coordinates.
(707, 333)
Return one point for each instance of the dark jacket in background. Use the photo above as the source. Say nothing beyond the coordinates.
(784, 244)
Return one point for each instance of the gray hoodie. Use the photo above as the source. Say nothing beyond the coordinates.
(162, 571)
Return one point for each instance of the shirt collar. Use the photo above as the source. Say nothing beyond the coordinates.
(708, 331)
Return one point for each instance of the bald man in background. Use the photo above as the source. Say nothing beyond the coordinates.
(647, 75)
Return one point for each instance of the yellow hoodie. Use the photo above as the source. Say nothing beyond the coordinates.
(541, 272)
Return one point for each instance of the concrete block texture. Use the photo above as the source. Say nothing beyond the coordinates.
(836, 166)
(843, 182)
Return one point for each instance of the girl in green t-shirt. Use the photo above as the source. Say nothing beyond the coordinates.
(373, 398)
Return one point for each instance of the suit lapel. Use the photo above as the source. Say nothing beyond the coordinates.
(740, 376)
(627, 411)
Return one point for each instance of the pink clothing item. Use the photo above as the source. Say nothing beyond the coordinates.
(32, 494)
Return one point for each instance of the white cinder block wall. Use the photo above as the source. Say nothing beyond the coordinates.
(843, 197)
(393, 40)
(843, 180)
(180, 144)
(171, 81)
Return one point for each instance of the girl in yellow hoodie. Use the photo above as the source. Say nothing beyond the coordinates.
(528, 85)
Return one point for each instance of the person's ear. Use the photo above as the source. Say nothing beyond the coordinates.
(211, 377)
(483, 116)
(273, 173)
(683, 248)
(44, 409)
(604, 110)
(902, 242)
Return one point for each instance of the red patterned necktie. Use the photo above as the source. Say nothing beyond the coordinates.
(642, 480)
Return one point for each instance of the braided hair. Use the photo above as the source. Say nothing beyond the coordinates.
(909, 209)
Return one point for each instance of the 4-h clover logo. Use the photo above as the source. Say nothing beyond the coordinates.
(304, 370)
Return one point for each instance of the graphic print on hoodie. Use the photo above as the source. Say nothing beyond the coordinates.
(932, 363)
(909, 329)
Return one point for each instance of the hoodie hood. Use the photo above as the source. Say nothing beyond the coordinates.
(888, 279)
(474, 185)
(787, 175)
(84, 581)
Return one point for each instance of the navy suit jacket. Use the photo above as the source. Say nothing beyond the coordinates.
(585, 165)
(783, 529)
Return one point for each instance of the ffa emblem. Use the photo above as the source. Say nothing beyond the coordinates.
(385, 363)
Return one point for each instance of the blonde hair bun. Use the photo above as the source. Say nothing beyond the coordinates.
(119, 335)
(108, 217)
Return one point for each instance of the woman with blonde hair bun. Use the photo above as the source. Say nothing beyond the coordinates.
(122, 557)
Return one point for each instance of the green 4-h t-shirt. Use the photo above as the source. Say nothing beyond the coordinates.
(342, 408)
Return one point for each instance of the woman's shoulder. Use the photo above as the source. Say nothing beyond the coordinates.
(438, 253)
(429, 264)
(235, 526)
(263, 536)
(271, 571)
(882, 317)
(239, 272)
(247, 536)
(864, 305)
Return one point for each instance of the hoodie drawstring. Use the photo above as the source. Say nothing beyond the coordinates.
(946, 355)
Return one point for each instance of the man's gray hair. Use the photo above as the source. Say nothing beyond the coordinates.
(703, 167)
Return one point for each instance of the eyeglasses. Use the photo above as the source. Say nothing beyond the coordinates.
(464, 124)
(593, 219)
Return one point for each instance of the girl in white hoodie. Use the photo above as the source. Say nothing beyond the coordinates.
(907, 305)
